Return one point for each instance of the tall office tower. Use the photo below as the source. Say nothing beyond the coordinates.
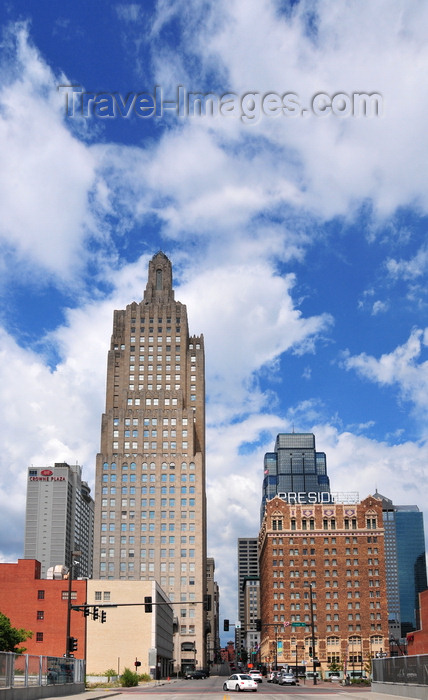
(212, 636)
(406, 573)
(150, 513)
(59, 518)
(248, 566)
(250, 633)
(295, 471)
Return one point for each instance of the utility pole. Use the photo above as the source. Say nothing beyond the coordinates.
(314, 656)
(69, 606)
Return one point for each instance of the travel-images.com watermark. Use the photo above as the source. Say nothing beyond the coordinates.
(249, 107)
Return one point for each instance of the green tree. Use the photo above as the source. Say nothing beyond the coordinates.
(10, 636)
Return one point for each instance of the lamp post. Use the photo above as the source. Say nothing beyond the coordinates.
(276, 647)
(313, 634)
(70, 578)
(296, 661)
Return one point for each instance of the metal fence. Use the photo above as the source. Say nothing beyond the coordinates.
(24, 670)
(401, 669)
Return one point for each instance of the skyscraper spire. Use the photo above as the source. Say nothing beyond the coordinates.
(159, 284)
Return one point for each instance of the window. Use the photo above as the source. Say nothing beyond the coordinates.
(40, 614)
(40, 595)
(39, 636)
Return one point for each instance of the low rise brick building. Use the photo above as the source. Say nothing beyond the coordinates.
(41, 606)
(322, 585)
(417, 641)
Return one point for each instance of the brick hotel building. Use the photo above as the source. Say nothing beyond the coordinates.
(334, 554)
(150, 514)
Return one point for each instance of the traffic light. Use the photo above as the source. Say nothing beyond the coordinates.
(86, 611)
(103, 616)
(310, 651)
(148, 603)
(95, 614)
(226, 625)
(258, 625)
(207, 603)
(72, 644)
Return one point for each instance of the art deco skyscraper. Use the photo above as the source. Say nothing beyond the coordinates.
(150, 516)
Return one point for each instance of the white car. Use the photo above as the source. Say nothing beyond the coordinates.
(254, 673)
(240, 681)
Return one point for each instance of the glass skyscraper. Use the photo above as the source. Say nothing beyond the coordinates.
(296, 471)
(406, 574)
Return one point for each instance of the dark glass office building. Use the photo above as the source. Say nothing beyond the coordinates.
(406, 574)
(295, 471)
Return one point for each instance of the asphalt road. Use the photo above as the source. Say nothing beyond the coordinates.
(213, 688)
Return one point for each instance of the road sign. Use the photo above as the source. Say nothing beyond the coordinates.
(298, 624)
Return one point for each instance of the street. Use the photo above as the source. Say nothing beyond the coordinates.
(213, 688)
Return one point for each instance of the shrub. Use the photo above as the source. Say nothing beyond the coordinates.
(144, 677)
(110, 673)
(128, 678)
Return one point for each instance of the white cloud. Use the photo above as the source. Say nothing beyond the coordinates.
(334, 163)
(47, 173)
(248, 318)
(379, 307)
(411, 269)
(356, 463)
(399, 368)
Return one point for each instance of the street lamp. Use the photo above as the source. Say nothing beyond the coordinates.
(70, 578)
(297, 672)
(313, 633)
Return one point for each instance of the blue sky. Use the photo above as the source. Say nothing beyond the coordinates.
(296, 227)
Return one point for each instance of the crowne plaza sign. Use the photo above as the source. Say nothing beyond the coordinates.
(44, 475)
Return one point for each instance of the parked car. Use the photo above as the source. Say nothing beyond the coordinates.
(275, 676)
(255, 673)
(196, 674)
(287, 679)
(240, 681)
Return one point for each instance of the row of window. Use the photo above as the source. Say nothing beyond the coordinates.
(144, 466)
(149, 446)
(327, 524)
(153, 433)
(144, 539)
(132, 490)
(132, 478)
(167, 421)
(130, 527)
(144, 478)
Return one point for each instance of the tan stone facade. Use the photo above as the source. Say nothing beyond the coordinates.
(150, 515)
(336, 552)
(129, 633)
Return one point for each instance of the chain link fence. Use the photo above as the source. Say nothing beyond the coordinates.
(25, 670)
(401, 669)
